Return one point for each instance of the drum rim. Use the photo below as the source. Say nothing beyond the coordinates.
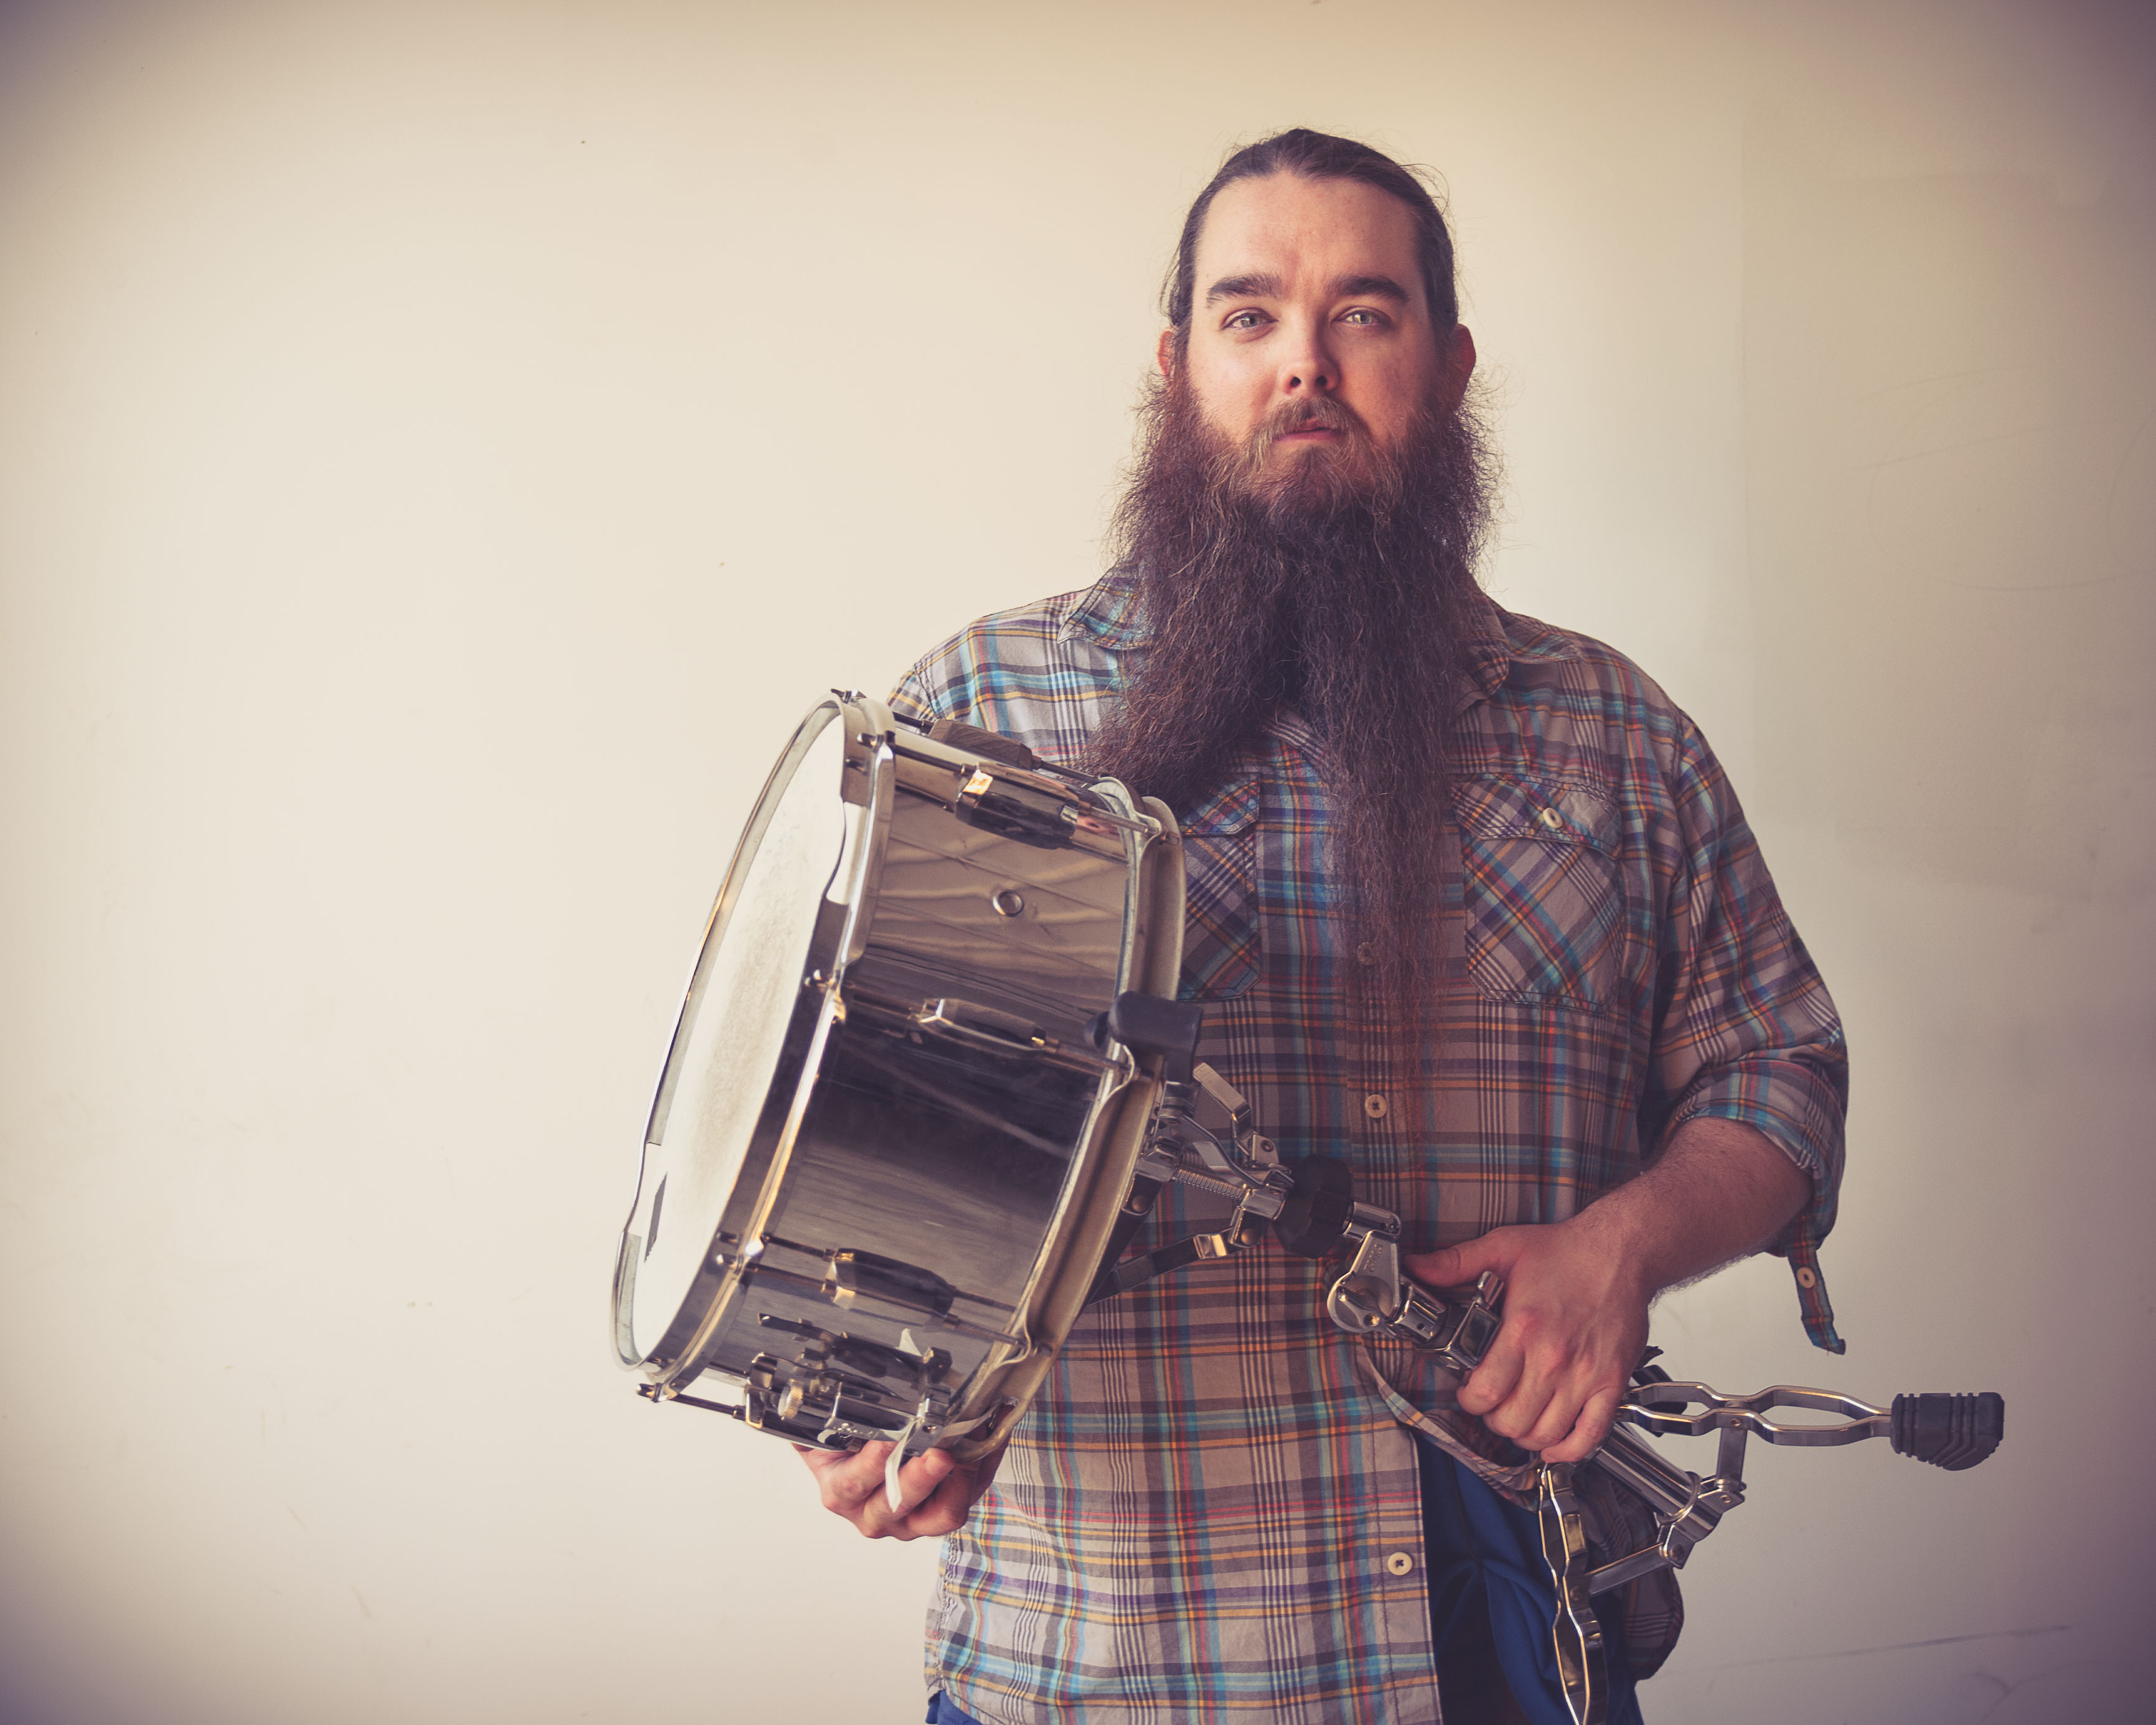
(695, 1324)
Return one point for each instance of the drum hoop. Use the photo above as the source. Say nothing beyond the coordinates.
(678, 1355)
(871, 729)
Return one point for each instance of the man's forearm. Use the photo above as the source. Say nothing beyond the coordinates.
(1718, 1191)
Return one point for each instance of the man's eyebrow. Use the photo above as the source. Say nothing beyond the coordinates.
(1260, 286)
(1369, 287)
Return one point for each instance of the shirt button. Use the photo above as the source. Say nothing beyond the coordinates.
(1552, 819)
(1375, 1106)
(1367, 953)
(1401, 1563)
(1807, 1277)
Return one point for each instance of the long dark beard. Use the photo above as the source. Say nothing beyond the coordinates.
(1340, 581)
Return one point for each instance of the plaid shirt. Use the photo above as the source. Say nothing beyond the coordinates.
(1211, 1511)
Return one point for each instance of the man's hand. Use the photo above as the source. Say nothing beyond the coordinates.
(1576, 1292)
(936, 1492)
(1575, 1323)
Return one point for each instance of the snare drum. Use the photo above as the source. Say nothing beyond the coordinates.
(890, 1139)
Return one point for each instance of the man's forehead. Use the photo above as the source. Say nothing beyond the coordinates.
(1284, 224)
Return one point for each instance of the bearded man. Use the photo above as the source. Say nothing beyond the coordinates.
(1472, 907)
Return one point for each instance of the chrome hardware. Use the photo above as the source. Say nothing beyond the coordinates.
(1181, 1150)
(1227, 1098)
(1575, 1631)
(1007, 901)
(1737, 1416)
(1015, 811)
(983, 1026)
(1374, 1298)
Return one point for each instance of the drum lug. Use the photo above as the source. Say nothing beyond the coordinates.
(1016, 812)
(851, 1275)
(984, 1027)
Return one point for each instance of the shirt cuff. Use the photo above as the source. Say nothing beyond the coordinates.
(1787, 1108)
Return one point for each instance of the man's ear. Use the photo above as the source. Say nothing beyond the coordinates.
(1163, 354)
(1460, 363)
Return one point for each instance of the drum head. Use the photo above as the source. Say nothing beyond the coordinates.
(733, 1033)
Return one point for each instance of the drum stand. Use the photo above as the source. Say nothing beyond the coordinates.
(1310, 1207)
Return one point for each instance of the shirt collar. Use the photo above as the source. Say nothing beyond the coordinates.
(1503, 638)
(1108, 614)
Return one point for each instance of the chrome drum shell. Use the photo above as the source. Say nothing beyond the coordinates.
(908, 1228)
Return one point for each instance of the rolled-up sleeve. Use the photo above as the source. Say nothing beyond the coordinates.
(1744, 1028)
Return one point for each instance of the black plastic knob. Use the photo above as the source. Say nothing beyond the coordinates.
(1146, 1025)
(1948, 1431)
(1314, 1217)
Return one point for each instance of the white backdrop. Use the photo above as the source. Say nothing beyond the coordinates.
(443, 446)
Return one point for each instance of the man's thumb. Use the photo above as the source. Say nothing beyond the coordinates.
(1452, 1266)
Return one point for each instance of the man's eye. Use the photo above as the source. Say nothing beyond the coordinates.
(1245, 321)
(1358, 316)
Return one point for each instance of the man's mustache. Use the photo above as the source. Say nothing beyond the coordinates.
(1316, 413)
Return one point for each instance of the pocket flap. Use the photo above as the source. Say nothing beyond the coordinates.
(1549, 808)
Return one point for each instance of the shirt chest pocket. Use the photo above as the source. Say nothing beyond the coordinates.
(1223, 944)
(1544, 892)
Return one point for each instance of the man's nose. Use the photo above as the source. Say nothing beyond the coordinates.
(1306, 366)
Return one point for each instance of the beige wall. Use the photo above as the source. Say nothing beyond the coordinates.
(443, 446)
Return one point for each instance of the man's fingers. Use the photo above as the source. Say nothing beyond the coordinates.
(853, 1487)
(1523, 1407)
(934, 1502)
(1490, 1384)
(1593, 1426)
(936, 1491)
(859, 1477)
(847, 1480)
(944, 1511)
(1554, 1421)
(915, 1482)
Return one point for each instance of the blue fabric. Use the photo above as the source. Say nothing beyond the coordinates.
(1478, 1541)
(944, 1710)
